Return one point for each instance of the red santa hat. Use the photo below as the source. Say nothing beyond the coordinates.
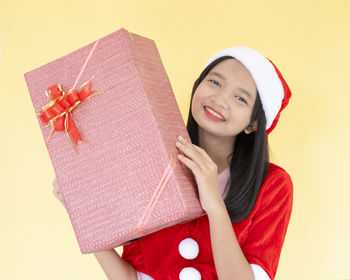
(273, 89)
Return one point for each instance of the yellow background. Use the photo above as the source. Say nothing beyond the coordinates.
(308, 41)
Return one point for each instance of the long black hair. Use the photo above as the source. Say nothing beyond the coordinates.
(250, 157)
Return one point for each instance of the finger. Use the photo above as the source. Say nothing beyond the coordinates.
(203, 153)
(54, 188)
(209, 162)
(54, 183)
(59, 196)
(197, 148)
(193, 154)
(55, 192)
(190, 164)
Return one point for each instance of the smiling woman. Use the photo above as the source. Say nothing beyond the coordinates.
(235, 104)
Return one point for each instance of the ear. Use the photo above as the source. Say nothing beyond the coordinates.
(252, 127)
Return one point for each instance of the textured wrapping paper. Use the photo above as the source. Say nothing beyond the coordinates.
(129, 133)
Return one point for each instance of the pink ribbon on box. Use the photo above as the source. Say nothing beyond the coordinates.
(156, 194)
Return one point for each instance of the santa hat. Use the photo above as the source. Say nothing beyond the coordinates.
(273, 89)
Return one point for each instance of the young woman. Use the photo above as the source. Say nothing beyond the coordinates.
(235, 104)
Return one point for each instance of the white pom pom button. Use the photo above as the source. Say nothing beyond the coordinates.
(189, 249)
(189, 273)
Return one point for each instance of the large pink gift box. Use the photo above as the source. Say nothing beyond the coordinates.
(123, 180)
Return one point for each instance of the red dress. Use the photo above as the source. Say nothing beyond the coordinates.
(260, 236)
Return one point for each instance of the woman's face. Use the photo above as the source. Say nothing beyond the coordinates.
(230, 90)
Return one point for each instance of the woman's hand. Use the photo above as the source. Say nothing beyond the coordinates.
(57, 192)
(205, 172)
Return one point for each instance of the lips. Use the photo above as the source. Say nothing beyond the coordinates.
(214, 111)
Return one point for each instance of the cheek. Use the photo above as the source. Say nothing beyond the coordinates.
(240, 117)
(197, 99)
(195, 104)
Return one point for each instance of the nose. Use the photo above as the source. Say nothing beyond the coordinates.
(221, 98)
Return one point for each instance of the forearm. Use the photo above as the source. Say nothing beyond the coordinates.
(114, 266)
(230, 262)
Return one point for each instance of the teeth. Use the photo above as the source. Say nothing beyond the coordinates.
(214, 113)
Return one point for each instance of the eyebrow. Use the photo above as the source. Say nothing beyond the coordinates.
(224, 78)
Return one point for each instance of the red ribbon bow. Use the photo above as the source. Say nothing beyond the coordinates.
(57, 113)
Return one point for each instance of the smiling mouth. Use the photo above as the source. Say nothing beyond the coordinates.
(213, 115)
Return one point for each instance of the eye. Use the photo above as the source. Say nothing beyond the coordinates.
(214, 82)
(241, 99)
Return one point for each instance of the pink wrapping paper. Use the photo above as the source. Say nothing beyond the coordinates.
(130, 132)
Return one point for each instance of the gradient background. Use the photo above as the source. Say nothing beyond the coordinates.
(308, 41)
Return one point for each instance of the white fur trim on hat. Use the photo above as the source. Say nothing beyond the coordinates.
(264, 74)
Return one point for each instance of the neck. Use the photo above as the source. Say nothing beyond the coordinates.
(220, 149)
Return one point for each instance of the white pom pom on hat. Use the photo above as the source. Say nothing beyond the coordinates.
(273, 90)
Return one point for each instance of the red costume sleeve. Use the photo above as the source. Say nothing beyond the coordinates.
(269, 224)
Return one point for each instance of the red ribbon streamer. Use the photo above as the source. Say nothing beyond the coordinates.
(57, 112)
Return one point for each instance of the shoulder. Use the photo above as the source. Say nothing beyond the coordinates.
(275, 169)
(278, 185)
(277, 175)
